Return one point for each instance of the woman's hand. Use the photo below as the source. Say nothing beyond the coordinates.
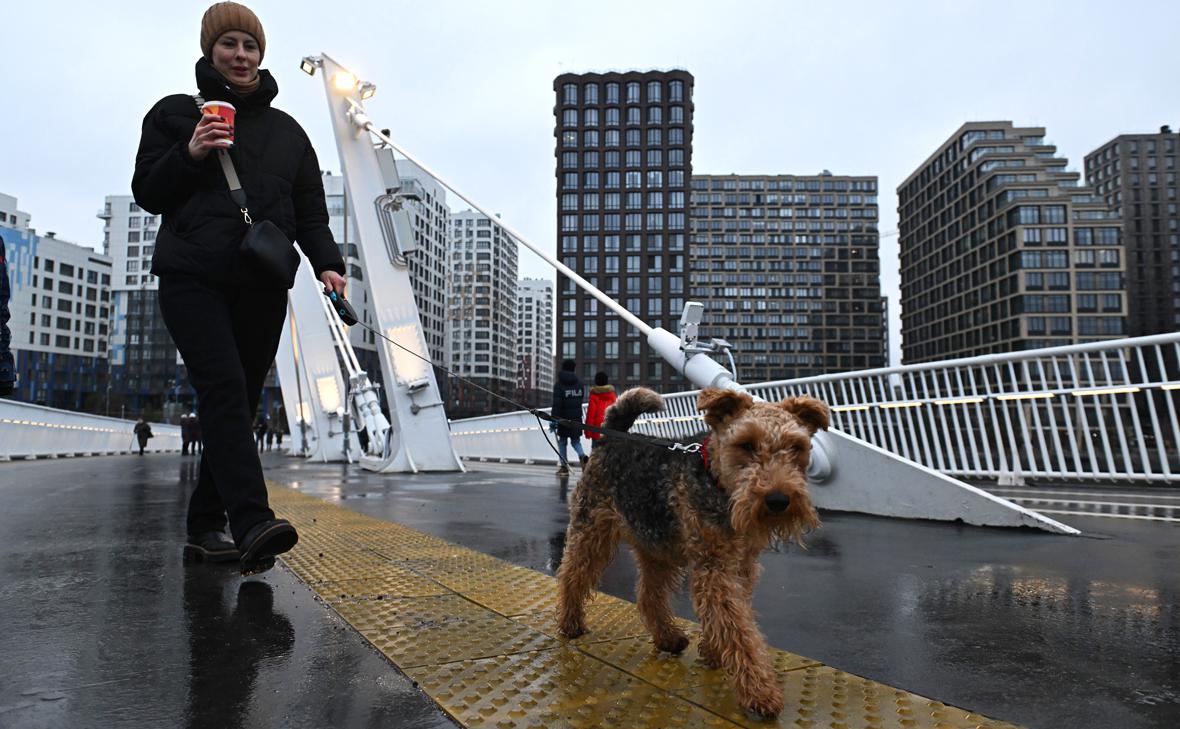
(211, 133)
(333, 282)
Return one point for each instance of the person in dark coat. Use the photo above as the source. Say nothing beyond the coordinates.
(143, 431)
(225, 320)
(185, 435)
(7, 366)
(260, 431)
(602, 396)
(568, 393)
(194, 424)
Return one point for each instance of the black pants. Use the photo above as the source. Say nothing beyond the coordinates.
(228, 338)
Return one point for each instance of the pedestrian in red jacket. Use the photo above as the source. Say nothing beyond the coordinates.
(602, 396)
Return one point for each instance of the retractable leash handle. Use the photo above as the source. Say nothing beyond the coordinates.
(343, 309)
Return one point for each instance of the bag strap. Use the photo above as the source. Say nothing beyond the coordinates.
(236, 193)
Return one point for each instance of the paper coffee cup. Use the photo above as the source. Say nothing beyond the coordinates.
(223, 109)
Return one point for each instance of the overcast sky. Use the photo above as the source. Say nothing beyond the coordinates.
(865, 88)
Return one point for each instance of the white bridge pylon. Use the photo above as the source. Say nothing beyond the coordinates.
(920, 492)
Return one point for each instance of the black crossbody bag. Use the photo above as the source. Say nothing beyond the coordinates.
(266, 248)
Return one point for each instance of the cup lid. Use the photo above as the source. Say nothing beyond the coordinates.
(223, 104)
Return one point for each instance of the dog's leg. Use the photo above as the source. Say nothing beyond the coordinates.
(589, 547)
(657, 581)
(730, 634)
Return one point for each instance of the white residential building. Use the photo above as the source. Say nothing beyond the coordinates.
(60, 307)
(534, 336)
(145, 366)
(481, 313)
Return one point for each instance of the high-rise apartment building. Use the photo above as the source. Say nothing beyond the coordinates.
(624, 161)
(787, 267)
(1002, 249)
(1136, 175)
(481, 315)
(534, 341)
(146, 370)
(60, 309)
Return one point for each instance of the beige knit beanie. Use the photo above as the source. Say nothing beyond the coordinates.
(223, 17)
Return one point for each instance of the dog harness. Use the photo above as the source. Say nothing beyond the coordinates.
(705, 458)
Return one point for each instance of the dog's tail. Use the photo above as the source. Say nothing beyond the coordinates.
(632, 404)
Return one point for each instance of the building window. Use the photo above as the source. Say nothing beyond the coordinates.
(569, 118)
(569, 94)
(612, 117)
(676, 115)
(590, 138)
(655, 115)
(612, 93)
(633, 116)
(611, 138)
(569, 139)
(654, 137)
(633, 92)
(590, 92)
(676, 91)
(590, 117)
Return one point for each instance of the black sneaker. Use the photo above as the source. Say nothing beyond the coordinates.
(584, 459)
(210, 547)
(265, 540)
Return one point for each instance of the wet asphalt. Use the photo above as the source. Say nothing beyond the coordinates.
(102, 624)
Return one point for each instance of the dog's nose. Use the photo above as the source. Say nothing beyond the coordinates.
(777, 502)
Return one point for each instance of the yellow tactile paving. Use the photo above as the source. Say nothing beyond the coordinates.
(478, 635)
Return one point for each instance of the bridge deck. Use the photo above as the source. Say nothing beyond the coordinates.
(105, 626)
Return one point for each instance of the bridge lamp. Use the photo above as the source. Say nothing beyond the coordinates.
(309, 64)
(344, 81)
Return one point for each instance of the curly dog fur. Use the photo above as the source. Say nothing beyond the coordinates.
(709, 520)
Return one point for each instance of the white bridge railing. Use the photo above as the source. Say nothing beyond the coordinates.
(1102, 411)
(35, 431)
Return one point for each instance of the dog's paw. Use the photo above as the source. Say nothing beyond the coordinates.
(709, 660)
(570, 632)
(673, 644)
(765, 705)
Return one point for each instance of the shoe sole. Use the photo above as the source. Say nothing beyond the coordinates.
(275, 540)
(200, 554)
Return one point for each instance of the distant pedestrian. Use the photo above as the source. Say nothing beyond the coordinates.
(280, 427)
(270, 438)
(143, 431)
(568, 394)
(186, 432)
(7, 366)
(260, 429)
(194, 424)
(602, 396)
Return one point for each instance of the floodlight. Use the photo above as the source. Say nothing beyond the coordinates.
(344, 81)
(367, 90)
(309, 64)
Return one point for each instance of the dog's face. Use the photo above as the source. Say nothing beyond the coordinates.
(760, 453)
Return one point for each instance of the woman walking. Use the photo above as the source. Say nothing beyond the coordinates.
(225, 317)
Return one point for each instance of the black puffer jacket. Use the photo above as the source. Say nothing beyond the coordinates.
(568, 393)
(202, 226)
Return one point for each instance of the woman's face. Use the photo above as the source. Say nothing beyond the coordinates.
(236, 56)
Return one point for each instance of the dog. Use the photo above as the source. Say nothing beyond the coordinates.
(708, 515)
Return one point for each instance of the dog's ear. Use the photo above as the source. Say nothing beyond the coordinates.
(809, 411)
(721, 405)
